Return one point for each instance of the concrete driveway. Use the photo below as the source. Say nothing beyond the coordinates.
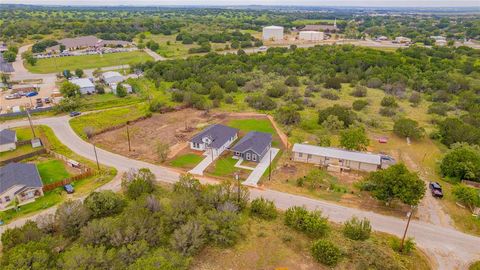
(202, 166)
(447, 247)
(262, 166)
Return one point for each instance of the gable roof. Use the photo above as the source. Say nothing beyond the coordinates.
(85, 41)
(82, 82)
(7, 136)
(112, 77)
(255, 141)
(22, 174)
(318, 27)
(337, 153)
(219, 134)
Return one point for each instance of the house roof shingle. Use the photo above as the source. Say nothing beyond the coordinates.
(22, 174)
(337, 153)
(7, 136)
(255, 141)
(219, 134)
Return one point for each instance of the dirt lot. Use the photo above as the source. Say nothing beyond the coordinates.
(173, 128)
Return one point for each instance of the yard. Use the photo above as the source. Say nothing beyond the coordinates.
(23, 134)
(58, 64)
(186, 161)
(107, 100)
(52, 171)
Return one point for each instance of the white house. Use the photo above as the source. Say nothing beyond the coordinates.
(272, 33)
(86, 86)
(216, 138)
(112, 77)
(311, 35)
(403, 40)
(8, 140)
(336, 159)
(19, 181)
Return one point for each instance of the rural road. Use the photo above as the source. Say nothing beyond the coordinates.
(448, 248)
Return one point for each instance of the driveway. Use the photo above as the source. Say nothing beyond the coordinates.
(262, 166)
(198, 170)
(448, 248)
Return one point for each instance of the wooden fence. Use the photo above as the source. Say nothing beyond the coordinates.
(87, 173)
(22, 157)
(471, 183)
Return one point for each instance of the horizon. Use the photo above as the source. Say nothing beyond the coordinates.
(250, 3)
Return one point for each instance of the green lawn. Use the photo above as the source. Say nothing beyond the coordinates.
(246, 125)
(105, 119)
(187, 161)
(224, 166)
(107, 100)
(58, 64)
(21, 150)
(52, 171)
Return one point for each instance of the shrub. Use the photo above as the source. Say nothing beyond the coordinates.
(70, 217)
(462, 162)
(374, 83)
(261, 102)
(439, 109)
(358, 105)
(292, 81)
(330, 95)
(277, 90)
(415, 98)
(387, 112)
(389, 101)
(408, 245)
(288, 115)
(343, 114)
(99, 89)
(311, 223)
(333, 83)
(121, 90)
(356, 229)
(138, 182)
(467, 196)
(263, 208)
(156, 105)
(326, 252)
(359, 91)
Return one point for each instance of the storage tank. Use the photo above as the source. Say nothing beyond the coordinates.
(310, 35)
(272, 33)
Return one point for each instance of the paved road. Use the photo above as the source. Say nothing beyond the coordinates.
(449, 249)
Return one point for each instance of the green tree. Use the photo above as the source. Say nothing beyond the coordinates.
(292, 81)
(389, 101)
(357, 229)
(288, 115)
(160, 259)
(405, 127)
(354, 138)
(70, 217)
(462, 161)
(121, 91)
(79, 72)
(189, 238)
(9, 56)
(138, 182)
(263, 208)
(343, 114)
(467, 196)
(333, 83)
(104, 203)
(69, 89)
(395, 183)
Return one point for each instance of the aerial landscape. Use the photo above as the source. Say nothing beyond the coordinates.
(240, 135)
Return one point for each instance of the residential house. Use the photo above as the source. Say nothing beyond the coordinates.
(253, 146)
(336, 159)
(86, 85)
(8, 140)
(402, 40)
(19, 181)
(86, 42)
(216, 137)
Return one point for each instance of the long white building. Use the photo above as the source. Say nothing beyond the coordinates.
(272, 33)
(310, 35)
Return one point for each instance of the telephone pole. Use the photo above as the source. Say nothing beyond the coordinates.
(270, 166)
(410, 214)
(128, 137)
(31, 125)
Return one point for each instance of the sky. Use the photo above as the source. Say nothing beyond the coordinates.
(362, 3)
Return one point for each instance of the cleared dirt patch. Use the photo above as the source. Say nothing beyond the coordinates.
(173, 129)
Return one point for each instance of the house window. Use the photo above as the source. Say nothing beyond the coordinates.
(247, 156)
(237, 154)
(309, 156)
(254, 157)
(7, 198)
(300, 154)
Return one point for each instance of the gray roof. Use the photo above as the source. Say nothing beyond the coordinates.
(319, 27)
(337, 153)
(7, 136)
(256, 141)
(5, 66)
(219, 134)
(22, 174)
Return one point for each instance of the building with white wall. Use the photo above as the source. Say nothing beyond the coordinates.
(272, 33)
(86, 85)
(310, 35)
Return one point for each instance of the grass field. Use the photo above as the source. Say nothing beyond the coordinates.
(186, 161)
(58, 64)
(52, 171)
(105, 119)
(107, 100)
(247, 125)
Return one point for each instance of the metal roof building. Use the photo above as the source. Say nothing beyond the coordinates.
(86, 86)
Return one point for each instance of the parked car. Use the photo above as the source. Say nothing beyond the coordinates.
(262, 49)
(47, 100)
(436, 189)
(75, 113)
(69, 189)
(13, 96)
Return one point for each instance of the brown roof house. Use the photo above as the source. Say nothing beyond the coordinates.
(19, 181)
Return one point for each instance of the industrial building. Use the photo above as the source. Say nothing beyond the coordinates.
(272, 33)
(86, 86)
(310, 35)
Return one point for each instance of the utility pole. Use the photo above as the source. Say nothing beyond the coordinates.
(128, 137)
(31, 125)
(238, 186)
(410, 214)
(96, 157)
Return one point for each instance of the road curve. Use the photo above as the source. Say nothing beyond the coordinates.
(449, 248)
